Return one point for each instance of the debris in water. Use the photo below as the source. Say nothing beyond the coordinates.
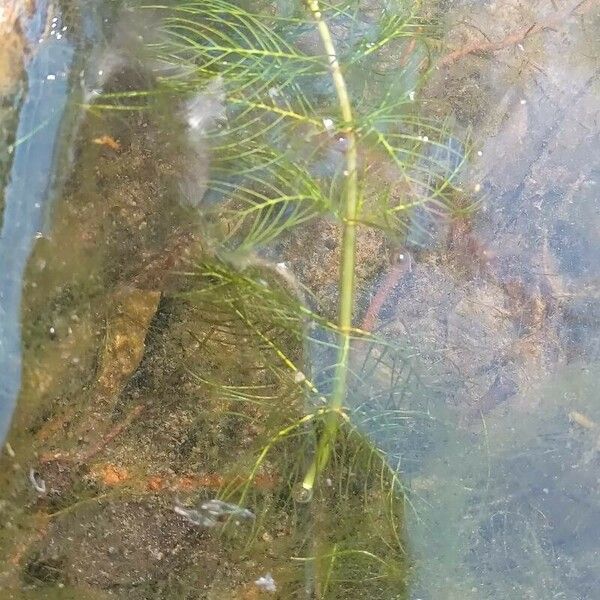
(213, 512)
(207, 108)
(108, 141)
(581, 420)
(37, 482)
(300, 377)
(219, 508)
(194, 517)
(266, 583)
(328, 124)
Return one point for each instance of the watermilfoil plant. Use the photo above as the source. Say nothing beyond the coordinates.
(300, 111)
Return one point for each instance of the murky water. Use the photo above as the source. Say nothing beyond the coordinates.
(178, 351)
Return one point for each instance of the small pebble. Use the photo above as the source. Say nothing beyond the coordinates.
(39, 485)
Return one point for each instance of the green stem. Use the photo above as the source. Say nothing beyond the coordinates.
(347, 268)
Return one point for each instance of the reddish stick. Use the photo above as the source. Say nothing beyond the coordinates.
(519, 36)
(393, 277)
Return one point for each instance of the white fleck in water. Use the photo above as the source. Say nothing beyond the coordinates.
(267, 583)
(39, 485)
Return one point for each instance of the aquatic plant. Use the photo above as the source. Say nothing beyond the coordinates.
(295, 112)
(297, 125)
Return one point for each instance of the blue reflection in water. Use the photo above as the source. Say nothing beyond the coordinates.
(28, 192)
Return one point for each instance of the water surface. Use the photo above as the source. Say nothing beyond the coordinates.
(170, 378)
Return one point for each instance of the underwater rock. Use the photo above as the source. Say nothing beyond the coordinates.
(124, 346)
(12, 52)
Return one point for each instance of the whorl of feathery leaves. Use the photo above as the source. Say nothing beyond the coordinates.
(315, 106)
(276, 150)
(306, 109)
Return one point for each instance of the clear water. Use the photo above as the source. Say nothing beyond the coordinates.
(28, 190)
(156, 382)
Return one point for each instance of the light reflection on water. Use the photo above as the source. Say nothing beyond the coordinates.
(28, 194)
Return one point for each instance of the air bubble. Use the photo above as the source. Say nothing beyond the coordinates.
(301, 494)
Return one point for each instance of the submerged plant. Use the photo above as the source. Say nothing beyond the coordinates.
(297, 111)
(308, 110)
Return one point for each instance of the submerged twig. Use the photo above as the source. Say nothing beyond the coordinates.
(517, 37)
(393, 277)
(95, 449)
(111, 435)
